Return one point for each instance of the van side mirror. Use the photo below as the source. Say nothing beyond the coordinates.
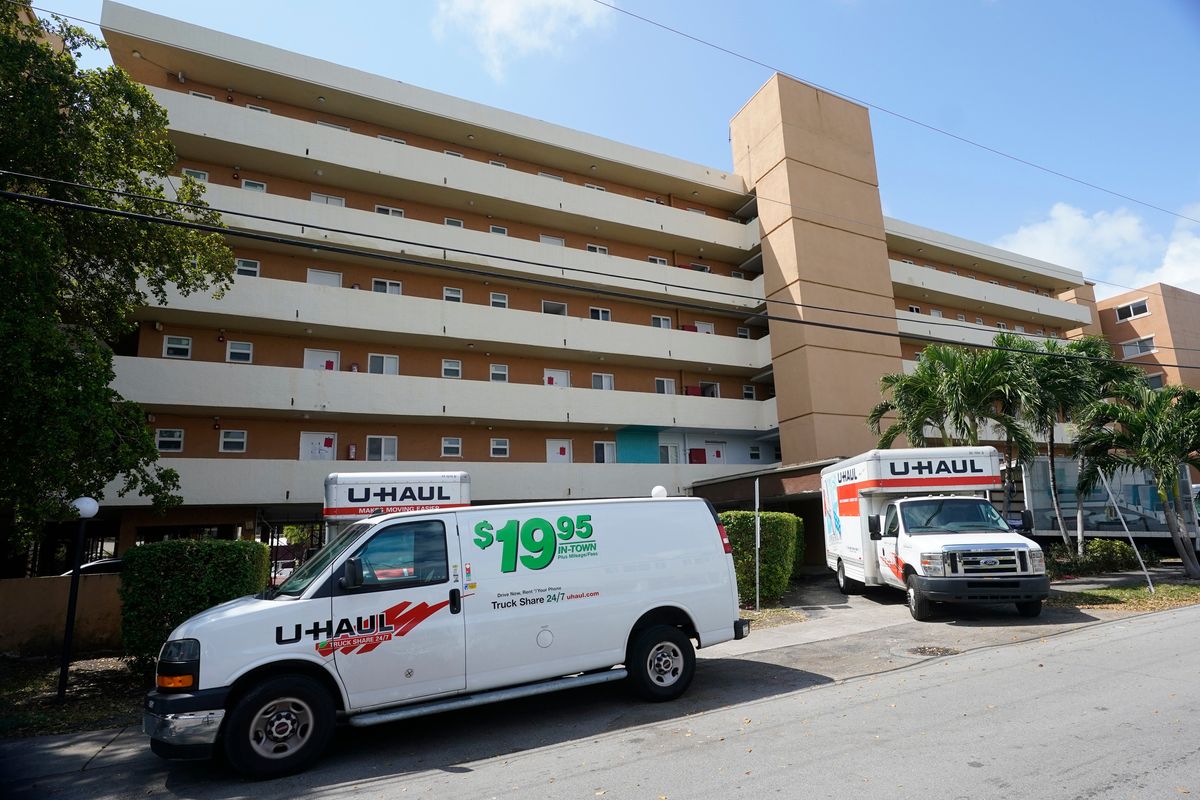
(1027, 520)
(873, 528)
(352, 574)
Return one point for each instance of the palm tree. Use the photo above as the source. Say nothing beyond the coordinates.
(1144, 428)
(915, 401)
(1017, 387)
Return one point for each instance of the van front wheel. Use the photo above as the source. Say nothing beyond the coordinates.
(918, 604)
(661, 663)
(279, 727)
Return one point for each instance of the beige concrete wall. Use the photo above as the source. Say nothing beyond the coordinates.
(1174, 322)
(811, 159)
(35, 614)
(1084, 296)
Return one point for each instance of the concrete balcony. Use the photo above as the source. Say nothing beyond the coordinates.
(949, 330)
(198, 387)
(291, 308)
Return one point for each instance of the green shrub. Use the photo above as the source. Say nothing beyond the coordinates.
(164, 583)
(777, 556)
(1099, 555)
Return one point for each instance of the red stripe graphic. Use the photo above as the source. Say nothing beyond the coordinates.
(400, 617)
(848, 493)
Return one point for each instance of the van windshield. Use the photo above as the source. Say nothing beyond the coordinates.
(938, 515)
(300, 579)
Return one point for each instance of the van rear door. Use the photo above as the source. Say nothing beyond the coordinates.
(400, 635)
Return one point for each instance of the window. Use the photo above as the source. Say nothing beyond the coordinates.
(405, 555)
(664, 385)
(660, 322)
(390, 211)
(961, 317)
(705, 327)
(914, 309)
(383, 364)
(452, 295)
(743, 333)
(602, 314)
(604, 452)
(934, 312)
(979, 320)
(254, 186)
(1053, 334)
(452, 154)
(554, 307)
(233, 442)
(202, 95)
(1137, 308)
(994, 283)
(1155, 381)
(499, 230)
(451, 447)
(392, 139)
(736, 274)
(906, 261)
(499, 300)
(177, 347)
(710, 389)
(954, 272)
(246, 266)
(333, 125)
(597, 248)
(239, 352)
(169, 440)
(557, 241)
(498, 373)
(551, 177)
(385, 286)
(381, 448)
(253, 107)
(662, 262)
(499, 448)
(323, 277)
(500, 164)
(1040, 332)
(755, 453)
(1002, 326)
(1135, 348)
(699, 267)
(196, 174)
(1018, 328)
(594, 186)
(748, 392)
(328, 199)
(451, 368)
(668, 454)
(454, 223)
(699, 211)
(602, 380)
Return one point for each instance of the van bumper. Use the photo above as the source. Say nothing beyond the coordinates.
(184, 726)
(1015, 588)
(741, 629)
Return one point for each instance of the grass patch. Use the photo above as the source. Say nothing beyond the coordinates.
(101, 693)
(771, 617)
(1130, 598)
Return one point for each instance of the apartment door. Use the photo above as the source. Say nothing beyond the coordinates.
(557, 377)
(318, 446)
(558, 451)
(321, 359)
(714, 452)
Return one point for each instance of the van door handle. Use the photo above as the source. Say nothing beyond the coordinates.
(455, 601)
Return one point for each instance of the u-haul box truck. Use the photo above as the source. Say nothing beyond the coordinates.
(351, 496)
(426, 611)
(920, 520)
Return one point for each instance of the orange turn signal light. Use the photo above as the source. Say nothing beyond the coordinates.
(174, 681)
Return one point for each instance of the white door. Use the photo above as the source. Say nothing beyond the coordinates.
(318, 446)
(558, 450)
(715, 452)
(401, 634)
(557, 377)
(324, 277)
(705, 327)
(322, 359)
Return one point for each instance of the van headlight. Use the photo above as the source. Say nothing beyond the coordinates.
(178, 666)
(1037, 562)
(933, 564)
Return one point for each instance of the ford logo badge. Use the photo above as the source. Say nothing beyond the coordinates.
(990, 562)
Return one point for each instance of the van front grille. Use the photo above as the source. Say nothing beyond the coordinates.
(986, 563)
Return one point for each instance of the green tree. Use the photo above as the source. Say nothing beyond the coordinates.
(74, 277)
(1143, 428)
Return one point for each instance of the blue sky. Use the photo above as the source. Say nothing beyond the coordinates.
(1101, 90)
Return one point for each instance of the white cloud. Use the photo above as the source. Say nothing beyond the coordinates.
(1116, 246)
(504, 30)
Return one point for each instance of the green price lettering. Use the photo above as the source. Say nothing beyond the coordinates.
(537, 537)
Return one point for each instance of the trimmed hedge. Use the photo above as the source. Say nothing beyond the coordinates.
(1099, 555)
(777, 556)
(164, 583)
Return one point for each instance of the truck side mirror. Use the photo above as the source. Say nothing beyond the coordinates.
(873, 528)
(352, 574)
(1027, 520)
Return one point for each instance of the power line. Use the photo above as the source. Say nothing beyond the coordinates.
(342, 250)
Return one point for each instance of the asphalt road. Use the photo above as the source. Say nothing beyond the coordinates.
(1108, 710)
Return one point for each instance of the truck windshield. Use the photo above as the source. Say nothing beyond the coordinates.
(299, 580)
(961, 514)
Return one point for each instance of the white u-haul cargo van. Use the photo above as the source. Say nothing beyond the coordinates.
(920, 520)
(414, 613)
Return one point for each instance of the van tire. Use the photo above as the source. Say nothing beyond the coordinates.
(1029, 608)
(846, 585)
(661, 663)
(279, 727)
(919, 605)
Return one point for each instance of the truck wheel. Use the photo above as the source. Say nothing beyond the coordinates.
(1029, 608)
(918, 604)
(279, 727)
(846, 585)
(661, 663)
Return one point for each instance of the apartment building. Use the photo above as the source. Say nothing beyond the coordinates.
(438, 284)
(1158, 328)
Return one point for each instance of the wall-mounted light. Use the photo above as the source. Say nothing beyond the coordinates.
(221, 335)
(158, 326)
(137, 53)
(216, 423)
(320, 98)
(150, 418)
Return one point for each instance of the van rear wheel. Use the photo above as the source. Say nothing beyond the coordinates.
(845, 584)
(661, 663)
(279, 727)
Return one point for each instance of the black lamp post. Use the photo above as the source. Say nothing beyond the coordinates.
(87, 508)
